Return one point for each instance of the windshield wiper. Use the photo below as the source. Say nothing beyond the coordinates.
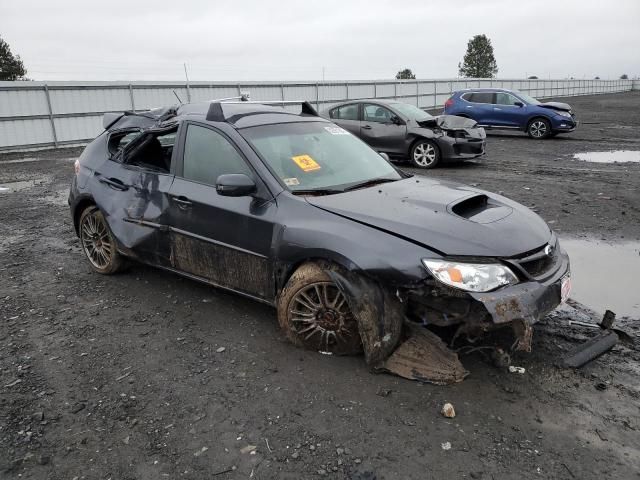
(370, 183)
(317, 191)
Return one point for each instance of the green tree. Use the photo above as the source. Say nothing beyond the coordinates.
(479, 61)
(11, 67)
(405, 74)
(624, 76)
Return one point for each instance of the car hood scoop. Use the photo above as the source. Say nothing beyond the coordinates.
(480, 209)
(556, 106)
(449, 218)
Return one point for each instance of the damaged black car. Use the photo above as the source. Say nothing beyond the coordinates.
(292, 210)
(403, 131)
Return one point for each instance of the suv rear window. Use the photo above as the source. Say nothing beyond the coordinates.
(478, 97)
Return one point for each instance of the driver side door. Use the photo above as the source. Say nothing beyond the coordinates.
(221, 239)
(380, 131)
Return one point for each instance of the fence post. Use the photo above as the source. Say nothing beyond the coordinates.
(317, 97)
(375, 89)
(435, 94)
(395, 90)
(282, 91)
(417, 97)
(53, 124)
(347, 85)
(133, 103)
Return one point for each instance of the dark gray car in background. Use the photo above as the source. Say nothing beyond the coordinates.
(402, 130)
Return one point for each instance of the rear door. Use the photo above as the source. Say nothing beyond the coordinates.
(131, 189)
(347, 116)
(479, 106)
(225, 240)
(505, 111)
(379, 130)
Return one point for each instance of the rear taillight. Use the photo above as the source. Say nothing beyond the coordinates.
(448, 103)
(76, 166)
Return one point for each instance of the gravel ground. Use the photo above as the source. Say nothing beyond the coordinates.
(146, 375)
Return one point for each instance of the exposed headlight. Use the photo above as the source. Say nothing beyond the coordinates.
(562, 113)
(472, 277)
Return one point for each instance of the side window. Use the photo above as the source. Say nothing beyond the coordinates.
(481, 97)
(151, 150)
(208, 154)
(503, 98)
(119, 140)
(467, 97)
(376, 113)
(347, 112)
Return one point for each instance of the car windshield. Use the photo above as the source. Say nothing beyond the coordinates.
(412, 112)
(318, 156)
(527, 99)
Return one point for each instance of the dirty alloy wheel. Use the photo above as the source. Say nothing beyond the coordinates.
(425, 154)
(98, 243)
(539, 128)
(315, 315)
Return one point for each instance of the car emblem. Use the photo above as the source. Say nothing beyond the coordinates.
(548, 251)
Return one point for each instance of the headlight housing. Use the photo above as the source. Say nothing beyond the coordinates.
(562, 113)
(472, 277)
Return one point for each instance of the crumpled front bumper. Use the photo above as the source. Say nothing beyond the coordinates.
(528, 301)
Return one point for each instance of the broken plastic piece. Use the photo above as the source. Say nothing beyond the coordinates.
(426, 358)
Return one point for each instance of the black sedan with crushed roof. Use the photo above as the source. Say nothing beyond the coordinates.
(405, 131)
(294, 211)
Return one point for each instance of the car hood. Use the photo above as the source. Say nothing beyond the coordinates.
(449, 218)
(449, 122)
(556, 106)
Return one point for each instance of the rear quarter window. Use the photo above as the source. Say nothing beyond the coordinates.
(478, 97)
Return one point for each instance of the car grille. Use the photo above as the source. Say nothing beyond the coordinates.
(539, 264)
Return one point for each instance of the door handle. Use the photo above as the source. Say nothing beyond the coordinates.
(114, 183)
(366, 127)
(183, 202)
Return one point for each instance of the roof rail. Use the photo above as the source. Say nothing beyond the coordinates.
(216, 114)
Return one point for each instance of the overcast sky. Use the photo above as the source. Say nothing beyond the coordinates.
(295, 39)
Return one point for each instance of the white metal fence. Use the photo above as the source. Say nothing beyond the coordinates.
(39, 114)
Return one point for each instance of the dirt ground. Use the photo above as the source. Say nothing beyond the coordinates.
(146, 375)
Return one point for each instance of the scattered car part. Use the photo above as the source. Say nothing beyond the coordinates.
(591, 349)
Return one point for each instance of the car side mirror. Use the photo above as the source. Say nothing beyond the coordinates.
(385, 156)
(518, 104)
(235, 185)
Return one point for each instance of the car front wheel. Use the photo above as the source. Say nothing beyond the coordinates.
(539, 128)
(425, 154)
(98, 242)
(314, 313)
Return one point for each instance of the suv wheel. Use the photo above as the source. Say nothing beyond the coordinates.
(539, 128)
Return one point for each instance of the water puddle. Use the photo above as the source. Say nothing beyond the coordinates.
(605, 276)
(616, 156)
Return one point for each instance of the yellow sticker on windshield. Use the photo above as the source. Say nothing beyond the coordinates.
(306, 163)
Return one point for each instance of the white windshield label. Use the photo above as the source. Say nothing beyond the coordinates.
(336, 131)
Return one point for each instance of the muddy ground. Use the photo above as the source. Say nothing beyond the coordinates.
(146, 375)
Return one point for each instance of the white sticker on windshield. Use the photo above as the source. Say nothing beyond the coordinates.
(336, 131)
(290, 182)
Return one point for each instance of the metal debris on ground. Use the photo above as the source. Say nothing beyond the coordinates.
(519, 370)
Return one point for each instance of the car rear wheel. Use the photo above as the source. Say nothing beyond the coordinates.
(425, 154)
(539, 128)
(314, 313)
(98, 242)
